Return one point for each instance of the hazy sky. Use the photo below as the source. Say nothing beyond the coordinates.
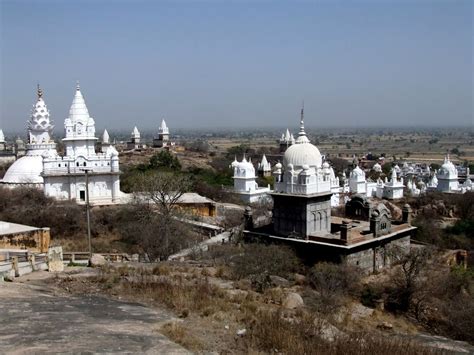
(240, 63)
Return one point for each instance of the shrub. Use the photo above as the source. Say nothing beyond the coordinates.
(333, 282)
(258, 259)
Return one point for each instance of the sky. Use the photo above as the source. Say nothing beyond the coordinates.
(243, 64)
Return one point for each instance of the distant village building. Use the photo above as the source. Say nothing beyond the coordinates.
(163, 138)
(244, 182)
(302, 215)
(64, 177)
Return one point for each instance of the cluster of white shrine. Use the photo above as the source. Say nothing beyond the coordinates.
(320, 177)
(64, 177)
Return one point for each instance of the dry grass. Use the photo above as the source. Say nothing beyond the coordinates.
(180, 334)
(270, 331)
(207, 310)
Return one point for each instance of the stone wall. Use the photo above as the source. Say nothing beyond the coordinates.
(378, 256)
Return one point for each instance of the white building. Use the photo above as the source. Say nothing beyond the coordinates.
(64, 177)
(392, 189)
(28, 169)
(286, 140)
(2, 140)
(302, 171)
(135, 138)
(163, 138)
(447, 176)
(264, 168)
(244, 182)
(105, 143)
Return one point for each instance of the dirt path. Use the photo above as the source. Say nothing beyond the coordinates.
(34, 319)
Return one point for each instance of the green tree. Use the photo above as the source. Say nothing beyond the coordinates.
(164, 159)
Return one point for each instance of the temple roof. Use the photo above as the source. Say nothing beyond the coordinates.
(78, 110)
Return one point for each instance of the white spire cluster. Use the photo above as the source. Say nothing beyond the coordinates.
(163, 129)
(2, 137)
(79, 124)
(135, 133)
(105, 137)
(40, 127)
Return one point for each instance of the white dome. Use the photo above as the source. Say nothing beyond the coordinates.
(448, 169)
(26, 170)
(302, 154)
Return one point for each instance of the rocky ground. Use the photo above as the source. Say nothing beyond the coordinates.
(39, 318)
(139, 308)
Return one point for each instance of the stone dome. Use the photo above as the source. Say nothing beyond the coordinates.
(26, 170)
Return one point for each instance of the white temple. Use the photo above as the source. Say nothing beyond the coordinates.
(105, 143)
(244, 182)
(286, 140)
(135, 138)
(64, 177)
(302, 170)
(163, 138)
(28, 169)
(447, 177)
(264, 168)
(391, 190)
(3, 145)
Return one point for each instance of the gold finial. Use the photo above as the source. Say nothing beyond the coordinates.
(39, 92)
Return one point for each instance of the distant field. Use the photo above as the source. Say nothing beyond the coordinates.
(414, 147)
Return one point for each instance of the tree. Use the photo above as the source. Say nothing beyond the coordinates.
(163, 189)
(159, 230)
(406, 282)
(164, 159)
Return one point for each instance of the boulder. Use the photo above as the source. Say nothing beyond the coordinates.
(385, 326)
(360, 311)
(299, 279)
(279, 281)
(292, 300)
(329, 332)
(98, 260)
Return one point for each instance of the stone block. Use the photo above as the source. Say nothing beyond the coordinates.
(55, 259)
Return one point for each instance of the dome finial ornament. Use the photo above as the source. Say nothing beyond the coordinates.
(302, 134)
(39, 91)
(78, 87)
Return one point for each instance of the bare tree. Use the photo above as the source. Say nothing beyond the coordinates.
(163, 189)
(158, 231)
